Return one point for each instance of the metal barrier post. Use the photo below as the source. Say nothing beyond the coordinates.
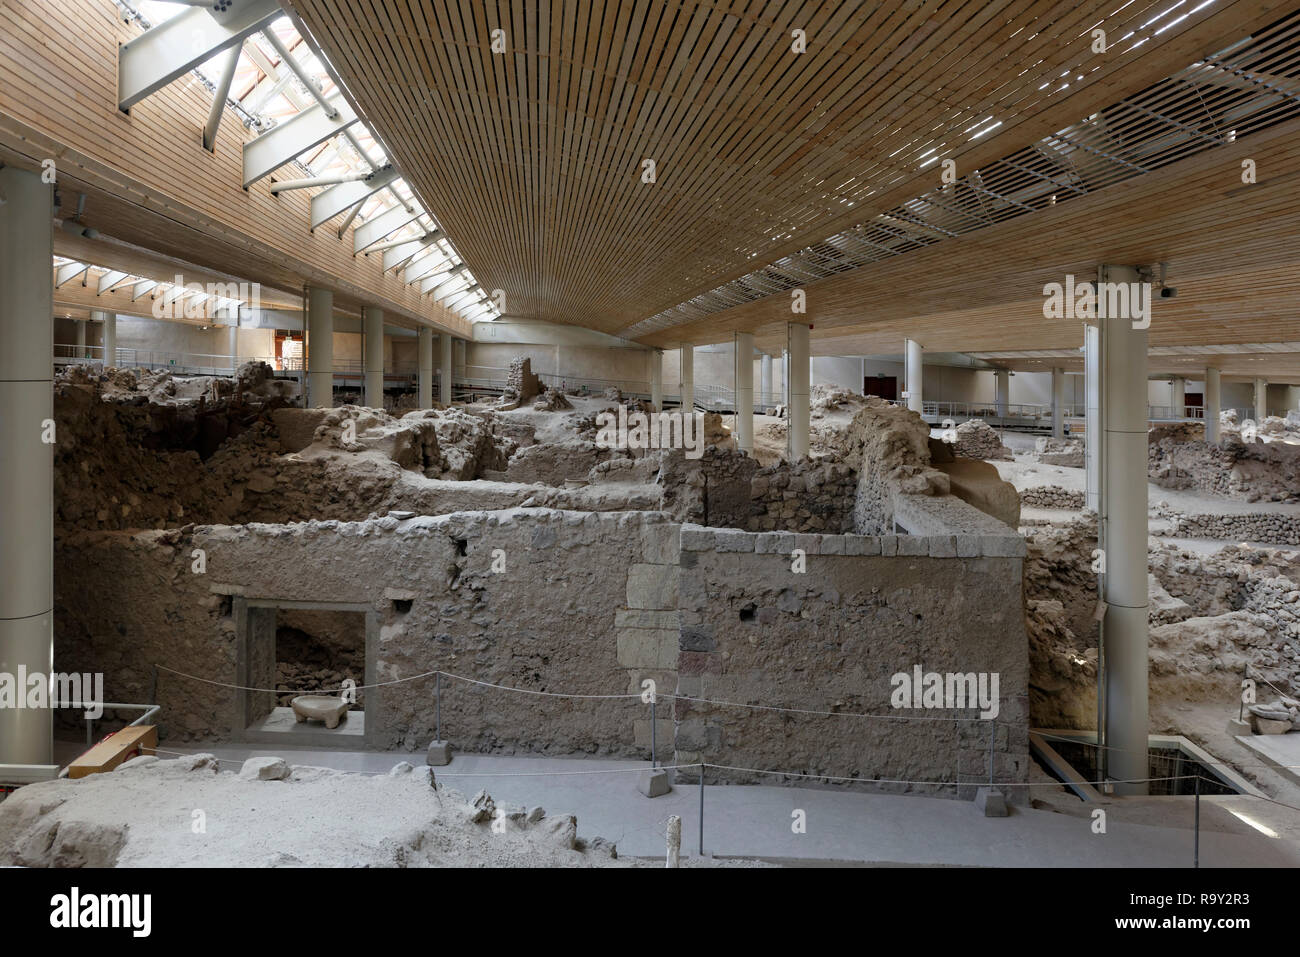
(1196, 838)
(653, 749)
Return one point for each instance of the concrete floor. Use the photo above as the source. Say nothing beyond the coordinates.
(1280, 751)
(847, 827)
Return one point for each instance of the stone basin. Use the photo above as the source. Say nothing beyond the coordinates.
(318, 707)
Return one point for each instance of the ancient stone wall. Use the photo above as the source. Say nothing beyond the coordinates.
(577, 603)
(1267, 527)
(1052, 496)
(580, 594)
(804, 497)
(713, 490)
(1247, 471)
(829, 640)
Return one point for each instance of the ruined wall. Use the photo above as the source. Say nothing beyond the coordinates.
(580, 605)
(829, 639)
(804, 497)
(890, 447)
(1268, 527)
(1250, 471)
(1052, 496)
(713, 490)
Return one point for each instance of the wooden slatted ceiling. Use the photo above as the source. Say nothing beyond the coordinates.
(1233, 252)
(148, 180)
(532, 159)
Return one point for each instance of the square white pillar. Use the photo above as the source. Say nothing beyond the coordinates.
(686, 366)
(743, 376)
(1213, 404)
(445, 370)
(798, 378)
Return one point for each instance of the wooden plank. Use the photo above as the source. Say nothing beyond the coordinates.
(113, 750)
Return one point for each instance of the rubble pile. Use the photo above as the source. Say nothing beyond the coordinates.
(976, 440)
(149, 450)
(1210, 616)
(1178, 457)
(552, 400)
(1068, 453)
(889, 448)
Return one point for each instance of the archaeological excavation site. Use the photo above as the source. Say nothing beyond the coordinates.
(639, 434)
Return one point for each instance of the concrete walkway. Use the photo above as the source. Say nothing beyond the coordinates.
(843, 826)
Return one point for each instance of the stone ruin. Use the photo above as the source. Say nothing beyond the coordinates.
(521, 384)
(976, 440)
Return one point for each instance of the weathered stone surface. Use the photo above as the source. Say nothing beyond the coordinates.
(652, 586)
(265, 769)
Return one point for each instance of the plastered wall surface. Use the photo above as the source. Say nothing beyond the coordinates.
(586, 603)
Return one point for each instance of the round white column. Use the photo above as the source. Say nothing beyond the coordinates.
(445, 370)
(914, 373)
(1124, 540)
(424, 375)
(1058, 403)
(26, 460)
(320, 348)
(657, 379)
(1092, 414)
(372, 345)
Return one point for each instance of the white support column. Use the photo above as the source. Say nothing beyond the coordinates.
(424, 373)
(109, 333)
(372, 351)
(1092, 415)
(1058, 403)
(765, 382)
(914, 374)
(320, 348)
(1213, 405)
(1178, 396)
(1003, 391)
(1124, 539)
(1261, 400)
(657, 380)
(798, 371)
(687, 368)
(81, 338)
(445, 370)
(743, 376)
(26, 461)
(232, 343)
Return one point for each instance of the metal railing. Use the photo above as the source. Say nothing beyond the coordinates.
(197, 363)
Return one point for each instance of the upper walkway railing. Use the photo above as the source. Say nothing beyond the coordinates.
(708, 396)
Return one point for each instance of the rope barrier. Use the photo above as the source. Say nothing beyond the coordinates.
(439, 775)
(573, 696)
